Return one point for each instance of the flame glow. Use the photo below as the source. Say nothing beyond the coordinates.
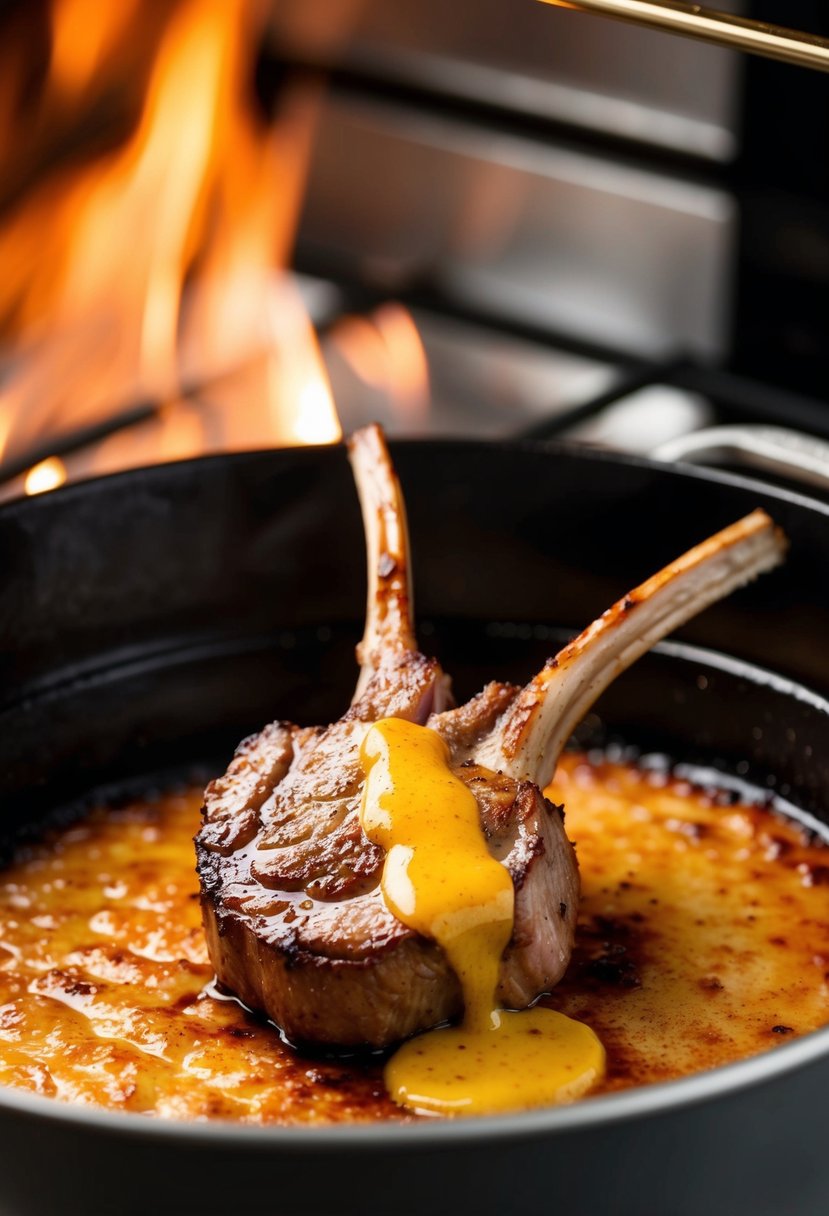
(47, 475)
(202, 191)
(386, 352)
(84, 34)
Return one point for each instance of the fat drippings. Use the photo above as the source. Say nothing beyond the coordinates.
(703, 937)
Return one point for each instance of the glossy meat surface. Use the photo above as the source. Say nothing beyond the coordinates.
(294, 915)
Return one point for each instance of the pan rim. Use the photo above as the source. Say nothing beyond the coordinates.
(554, 448)
(665, 1097)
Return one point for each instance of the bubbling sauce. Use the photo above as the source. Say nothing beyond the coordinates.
(440, 879)
(703, 938)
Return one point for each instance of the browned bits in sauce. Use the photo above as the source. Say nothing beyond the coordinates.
(702, 934)
(703, 937)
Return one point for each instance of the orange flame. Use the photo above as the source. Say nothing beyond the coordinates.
(84, 34)
(47, 475)
(96, 254)
(386, 352)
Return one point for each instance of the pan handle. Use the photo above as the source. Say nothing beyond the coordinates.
(773, 449)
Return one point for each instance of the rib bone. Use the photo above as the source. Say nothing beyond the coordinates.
(530, 736)
(389, 608)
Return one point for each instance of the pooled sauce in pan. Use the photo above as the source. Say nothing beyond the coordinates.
(703, 938)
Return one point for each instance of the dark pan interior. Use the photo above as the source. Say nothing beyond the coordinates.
(151, 620)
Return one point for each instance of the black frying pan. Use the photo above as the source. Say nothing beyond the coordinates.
(148, 621)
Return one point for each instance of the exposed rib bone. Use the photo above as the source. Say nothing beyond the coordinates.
(529, 738)
(389, 609)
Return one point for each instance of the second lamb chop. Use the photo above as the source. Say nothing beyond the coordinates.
(296, 921)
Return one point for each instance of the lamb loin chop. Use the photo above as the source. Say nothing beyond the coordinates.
(297, 926)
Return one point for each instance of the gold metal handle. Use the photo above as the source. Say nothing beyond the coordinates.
(722, 29)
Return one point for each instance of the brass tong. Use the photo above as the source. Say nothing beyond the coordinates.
(721, 29)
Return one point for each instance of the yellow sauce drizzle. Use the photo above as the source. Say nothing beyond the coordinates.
(440, 879)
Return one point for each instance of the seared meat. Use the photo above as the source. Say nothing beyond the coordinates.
(296, 922)
(341, 969)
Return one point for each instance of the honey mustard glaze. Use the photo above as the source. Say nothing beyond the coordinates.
(440, 879)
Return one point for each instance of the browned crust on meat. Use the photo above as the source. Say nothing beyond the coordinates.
(338, 865)
(351, 929)
(323, 988)
(388, 991)
(232, 802)
(464, 728)
(403, 685)
(303, 813)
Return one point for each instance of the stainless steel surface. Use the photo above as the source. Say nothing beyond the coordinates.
(656, 415)
(772, 449)
(579, 243)
(572, 67)
(721, 29)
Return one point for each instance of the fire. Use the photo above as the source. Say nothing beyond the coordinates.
(85, 36)
(47, 475)
(386, 351)
(156, 261)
